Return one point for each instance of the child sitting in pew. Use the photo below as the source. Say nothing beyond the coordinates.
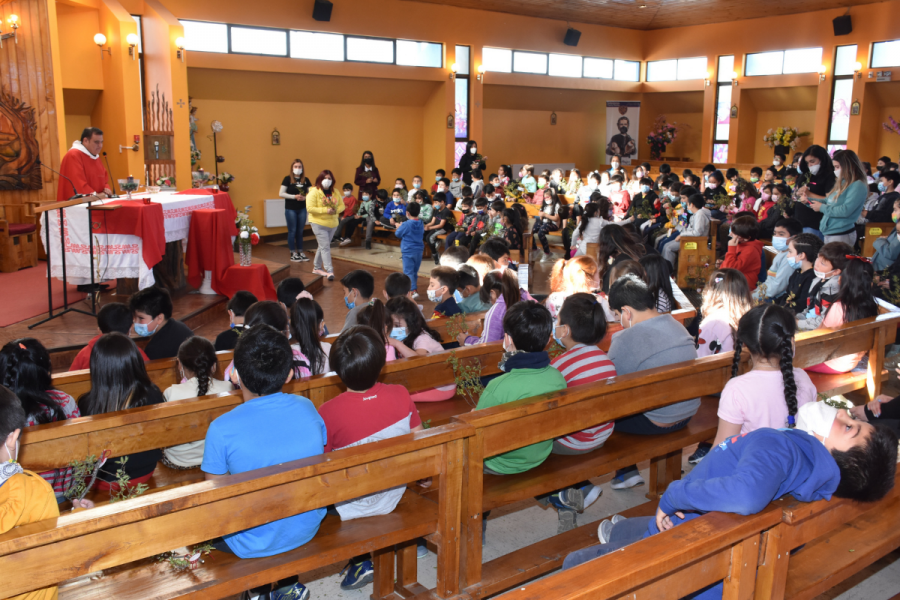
(659, 280)
(152, 312)
(24, 496)
(828, 266)
(368, 411)
(802, 252)
(498, 250)
(744, 249)
(413, 337)
(501, 289)
(780, 272)
(454, 256)
(581, 325)
(234, 444)
(441, 287)
(468, 286)
(288, 291)
(828, 454)
(726, 298)
(305, 336)
(272, 314)
(237, 306)
(358, 286)
(197, 365)
(114, 316)
(119, 381)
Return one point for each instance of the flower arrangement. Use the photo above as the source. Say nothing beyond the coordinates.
(199, 178)
(514, 192)
(167, 181)
(784, 136)
(248, 235)
(661, 135)
(225, 178)
(195, 157)
(892, 127)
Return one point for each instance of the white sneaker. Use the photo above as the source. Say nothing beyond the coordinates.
(303, 257)
(604, 531)
(548, 257)
(592, 495)
(346, 242)
(620, 483)
(616, 518)
(415, 295)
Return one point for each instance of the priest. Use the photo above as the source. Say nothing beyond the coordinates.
(82, 165)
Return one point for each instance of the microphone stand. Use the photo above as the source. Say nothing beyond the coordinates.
(62, 241)
(109, 172)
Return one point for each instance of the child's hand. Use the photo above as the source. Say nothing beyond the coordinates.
(82, 504)
(875, 405)
(461, 338)
(664, 521)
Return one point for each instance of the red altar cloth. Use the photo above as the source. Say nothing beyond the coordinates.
(209, 246)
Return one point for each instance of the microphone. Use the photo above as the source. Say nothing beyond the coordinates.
(74, 189)
(109, 172)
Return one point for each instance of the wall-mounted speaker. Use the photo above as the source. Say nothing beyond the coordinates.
(322, 10)
(842, 25)
(572, 37)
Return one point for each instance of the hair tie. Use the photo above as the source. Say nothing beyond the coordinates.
(855, 257)
(791, 420)
(22, 346)
(718, 279)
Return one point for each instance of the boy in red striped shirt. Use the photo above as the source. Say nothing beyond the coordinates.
(581, 326)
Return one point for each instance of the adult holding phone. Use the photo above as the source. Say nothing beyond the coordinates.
(294, 188)
(845, 202)
(471, 160)
(816, 180)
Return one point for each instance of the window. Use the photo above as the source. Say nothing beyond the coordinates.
(720, 153)
(317, 46)
(272, 42)
(885, 54)
(461, 105)
(722, 126)
(803, 60)
(419, 54)
(565, 65)
(462, 60)
(627, 70)
(726, 68)
(140, 34)
(529, 62)
(841, 95)
(599, 68)
(723, 113)
(845, 60)
(205, 37)
(681, 69)
(497, 60)
(370, 50)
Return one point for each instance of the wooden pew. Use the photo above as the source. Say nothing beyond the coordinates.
(49, 552)
(473, 320)
(673, 564)
(871, 232)
(697, 256)
(163, 372)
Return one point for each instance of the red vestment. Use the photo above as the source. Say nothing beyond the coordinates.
(86, 173)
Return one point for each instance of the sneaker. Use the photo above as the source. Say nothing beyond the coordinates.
(297, 591)
(415, 295)
(346, 242)
(331, 277)
(368, 244)
(295, 257)
(702, 450)
(568, 520)
(628, 480)
(570, 499)
(591, 494)
(320, 272)
(421, 549)
(358, 575)
(336, 240)
(604, 531)
(616, 518)
(302, 256)
(548, 257)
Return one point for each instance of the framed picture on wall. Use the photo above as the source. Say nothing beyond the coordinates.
(734, 112)
(854, 108)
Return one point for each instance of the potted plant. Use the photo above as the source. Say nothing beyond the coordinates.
(167, 182)
(225, 180)
(783, 139)
(248, 236)
(661, 135)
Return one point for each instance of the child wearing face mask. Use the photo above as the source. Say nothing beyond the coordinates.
(887, 249)
(801, 254)
(778, 163)
(351, 208)
(698, 226)
(438, 176)
(440, 291)
(456, 183)
(780, 272)
(395, 211)
(527, 179)
(412, 245)
(619, 197)
(152, 310)
(830, 263)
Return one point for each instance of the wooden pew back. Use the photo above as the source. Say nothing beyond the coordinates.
(871, 232)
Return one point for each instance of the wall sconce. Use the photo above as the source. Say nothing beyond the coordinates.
(453, 68)
(857, 69)
(100, 40)
(179, 43)
(734, 76)
(132, 40)
(480, 75)
(822, 70)
(13, 21)
(707, 81)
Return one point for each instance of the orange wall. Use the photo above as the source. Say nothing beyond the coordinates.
(765, 120)
(75, 124)
(80, 58)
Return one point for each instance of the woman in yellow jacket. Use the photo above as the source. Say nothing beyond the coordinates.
(324, 206)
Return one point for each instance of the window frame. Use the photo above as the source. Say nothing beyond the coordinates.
(438, 44)
(546, 56)
(783, 53)
(227, 35)
(468, 77)
(872, 54)
(343, 45)
(834, 79)
(584, 59)
(719, 85)
(369, 37)
(677, 62)
(287, 41)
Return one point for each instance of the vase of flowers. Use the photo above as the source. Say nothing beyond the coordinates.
(892, 126)
(224, 180)
(248, 235)
(661, 135)
(788, 137)
(128, 186)
(166, 182)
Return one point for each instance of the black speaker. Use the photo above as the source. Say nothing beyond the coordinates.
(572, 37)
(842, 25)
(322, 10)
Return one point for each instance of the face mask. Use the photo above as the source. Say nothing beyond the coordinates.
(712, 186)
(593, 185)
(837, 173)
(434, 296)
(622, 321)
(557, 339)
(623, 129)
(794, 263)
(298, 171)
(754, 179)
(437, 178)
(779, 243)
(398, 333)
(776, 162)
(350, 305)
(820, 274)
(894, 218)
(765, 197)
(365, 197)
(458, 296)
(645, 189)
(142, 329)
(369, 160)
(706, 178)
(816, 417)
(615, 166)
(346, 193)
(417, 185)
(326, 183)
(10, 467)
(473, 150)
(814, 169)
(456, 179)
(881, 187)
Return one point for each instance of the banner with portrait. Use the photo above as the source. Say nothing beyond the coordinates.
(622, 123)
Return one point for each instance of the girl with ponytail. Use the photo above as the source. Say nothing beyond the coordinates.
(197, 364)
(770, 394)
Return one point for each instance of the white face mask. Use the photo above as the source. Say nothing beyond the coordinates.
(298, 171)
(434, 296)
(326, 183)
(346, 193)
(814, 169)
(816, 417)
(837, 173)
(776, 162)
(820, 274)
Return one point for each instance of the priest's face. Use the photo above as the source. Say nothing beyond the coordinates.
(93, 145)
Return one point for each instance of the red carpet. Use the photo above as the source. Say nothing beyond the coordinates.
(25, 294)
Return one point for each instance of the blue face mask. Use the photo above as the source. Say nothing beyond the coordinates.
(881, 187)
(398, 333)
(780, 243)
(556, 339)
(645, 189)
(350, 305)
(458, 296)
(793, 263)
(142, 330)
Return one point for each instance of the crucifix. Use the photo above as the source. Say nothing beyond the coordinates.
(180, 103)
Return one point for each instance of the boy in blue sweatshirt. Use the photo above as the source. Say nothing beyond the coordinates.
(829, 454)
(778, 275)
(412, 244)
(395, 211)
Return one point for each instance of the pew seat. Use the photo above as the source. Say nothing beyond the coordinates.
(223, 574)
(834, 384)
(163, 478)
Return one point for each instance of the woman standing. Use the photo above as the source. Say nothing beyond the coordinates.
(816, 179)
(367, 176)
(324, 206)
(471, 160)
(845, 202)
(294, 188)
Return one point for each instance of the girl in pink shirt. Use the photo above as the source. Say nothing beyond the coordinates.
(770, 394)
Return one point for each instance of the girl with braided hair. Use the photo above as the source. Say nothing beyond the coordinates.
(770, 394)
(197, 364)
